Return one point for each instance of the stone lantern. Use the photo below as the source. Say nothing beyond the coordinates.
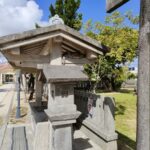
(62, 111)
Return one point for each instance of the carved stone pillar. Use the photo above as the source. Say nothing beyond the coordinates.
(62, 114)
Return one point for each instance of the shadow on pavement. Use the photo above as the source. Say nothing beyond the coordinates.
(120, 110)
(81, 144)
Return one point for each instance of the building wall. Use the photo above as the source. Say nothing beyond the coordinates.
(0, 78)
(5, 78)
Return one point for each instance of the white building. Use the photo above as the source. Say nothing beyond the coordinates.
(6, 73)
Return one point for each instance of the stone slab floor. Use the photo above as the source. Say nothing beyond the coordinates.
(82, 142)
(19, 137)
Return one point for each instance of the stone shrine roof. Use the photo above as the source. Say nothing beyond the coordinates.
(55, 73)
(10, 41)
(28, 49)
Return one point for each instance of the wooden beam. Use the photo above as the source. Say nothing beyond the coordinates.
(58, 39)
(47, 48)
(29, 41)
(91, 55)
(32, 50)
(26, 65)
(77, 61)
(35, 45)
(67, 48)
(15, 51)
(45, 37)
(27, 58)
(26, 70)
(81, 44)
(74, 47)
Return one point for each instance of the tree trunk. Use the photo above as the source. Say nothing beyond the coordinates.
(94, 87)
(143, 117)
(113, 86)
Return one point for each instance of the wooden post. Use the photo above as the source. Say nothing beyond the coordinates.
(38, 91)
(143, 118)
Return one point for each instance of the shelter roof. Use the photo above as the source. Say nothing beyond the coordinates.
(14, 40)
(28, 49)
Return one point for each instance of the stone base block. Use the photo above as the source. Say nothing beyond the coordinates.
(62, 137)
(105, 145)
(61, 129)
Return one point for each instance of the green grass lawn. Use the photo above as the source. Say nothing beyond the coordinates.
(125, 118)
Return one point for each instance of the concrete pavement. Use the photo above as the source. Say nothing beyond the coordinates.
(6, 98)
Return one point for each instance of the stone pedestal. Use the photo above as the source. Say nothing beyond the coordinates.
(61, 129)
(62, 113)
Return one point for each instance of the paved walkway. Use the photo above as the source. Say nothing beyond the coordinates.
(20, 138)
(17, 137)
(6, 98)
(4, 89)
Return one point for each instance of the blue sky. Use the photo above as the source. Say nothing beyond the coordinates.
(92, 9)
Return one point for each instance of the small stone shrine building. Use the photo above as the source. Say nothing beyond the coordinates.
(56, 55)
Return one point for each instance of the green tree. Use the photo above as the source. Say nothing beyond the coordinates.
(98, 71)
(67, 10)
(121, 39)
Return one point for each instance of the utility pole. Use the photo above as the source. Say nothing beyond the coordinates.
(143, 105)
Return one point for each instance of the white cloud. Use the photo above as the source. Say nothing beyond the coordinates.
(13, 2)
(19, 15)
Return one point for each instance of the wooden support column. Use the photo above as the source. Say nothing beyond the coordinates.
(143, 111)
(18, 76)
(56, 54)
(38, 91)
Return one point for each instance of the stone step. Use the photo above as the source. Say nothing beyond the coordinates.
(17, 138)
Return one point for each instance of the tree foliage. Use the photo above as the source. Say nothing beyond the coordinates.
(98, 70)
(122, 41)
(67, 10)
